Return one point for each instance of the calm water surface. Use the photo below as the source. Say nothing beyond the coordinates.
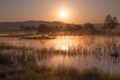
(67, 43)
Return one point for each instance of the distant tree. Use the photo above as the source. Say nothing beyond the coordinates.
(115, 21)
(110, 22)
(77, 27)
(22, 27)
(27, 28)
(89, 28)
(73, 28)
(43, 28)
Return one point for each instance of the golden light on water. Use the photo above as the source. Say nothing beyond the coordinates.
(70, 42)
(65, 43)
(64, 47)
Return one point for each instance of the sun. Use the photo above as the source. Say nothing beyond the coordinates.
(63, 13)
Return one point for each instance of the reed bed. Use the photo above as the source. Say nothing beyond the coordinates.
(34, 72)
(20, 63)
(19, 54)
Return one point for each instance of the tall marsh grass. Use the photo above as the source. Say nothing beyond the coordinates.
(10, 54)
(20, 63)
(35, 72)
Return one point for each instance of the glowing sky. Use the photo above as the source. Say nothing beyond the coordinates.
(80, 11)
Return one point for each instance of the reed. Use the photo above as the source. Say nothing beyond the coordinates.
(20, 63)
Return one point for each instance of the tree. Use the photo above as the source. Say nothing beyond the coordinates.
(115, 21)
(89, 28)
(43, 28)
(73, 28)
(22, 27)
(110, 22)
(27, 28)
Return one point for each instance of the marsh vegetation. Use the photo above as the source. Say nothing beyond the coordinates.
(65, 58)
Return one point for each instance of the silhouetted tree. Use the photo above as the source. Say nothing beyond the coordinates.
(115, 21)
(43, 28)
(77, 27)
(89, 28)
(110, 22)
(27, 28)
(73, 28)
(22, 27)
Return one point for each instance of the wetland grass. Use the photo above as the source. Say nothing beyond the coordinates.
(19, 63)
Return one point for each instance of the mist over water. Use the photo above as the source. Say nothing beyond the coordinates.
(81, 52)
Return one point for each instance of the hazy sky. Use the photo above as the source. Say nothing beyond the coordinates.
(80, 11)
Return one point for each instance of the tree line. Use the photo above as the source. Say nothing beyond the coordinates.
(110, 23)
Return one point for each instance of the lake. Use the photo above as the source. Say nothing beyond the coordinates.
(79, 52)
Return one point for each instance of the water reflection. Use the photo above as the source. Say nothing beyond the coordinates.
(93, 51)
(81, 62)
(67, 42)
(64, 43)
(61, 42)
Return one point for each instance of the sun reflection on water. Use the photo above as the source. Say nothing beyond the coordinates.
(65, 43)
(63, 47)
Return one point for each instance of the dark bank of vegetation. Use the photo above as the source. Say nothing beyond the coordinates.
(110, 27)
(31, 71)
